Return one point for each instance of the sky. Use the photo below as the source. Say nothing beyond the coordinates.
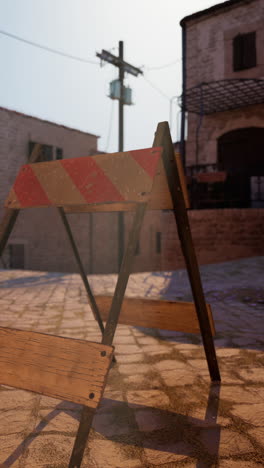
(74, 93)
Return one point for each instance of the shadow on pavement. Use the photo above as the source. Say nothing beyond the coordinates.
(34, 280)
(160, 430)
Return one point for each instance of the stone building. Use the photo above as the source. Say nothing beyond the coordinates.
(223, 83)
(39, 241)
(223, 103)
(223, 94)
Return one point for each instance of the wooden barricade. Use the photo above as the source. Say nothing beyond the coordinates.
(76, 370)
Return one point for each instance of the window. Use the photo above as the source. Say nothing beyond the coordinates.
(44, 152)
(158, 242)
(16, 256)
(137, 248)
(59, 153)
(257, 188)
(244, 51)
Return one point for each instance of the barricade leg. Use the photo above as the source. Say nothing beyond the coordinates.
(163, 138)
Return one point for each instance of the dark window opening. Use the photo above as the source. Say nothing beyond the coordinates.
(137, 248)
(59, 153)
(244, 51)
(158, 242)
(44, 152)
(16, 256)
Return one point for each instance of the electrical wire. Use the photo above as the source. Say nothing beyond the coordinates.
(74, 57)
(49, 49)
(160, 67)
(156, 88)
(93, 62)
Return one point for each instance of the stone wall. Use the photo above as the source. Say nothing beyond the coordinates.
(41, 232)
(218, 236)
(46, 246)
(209, 58)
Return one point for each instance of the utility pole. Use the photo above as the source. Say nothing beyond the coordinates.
(124, 67)
(121, 100)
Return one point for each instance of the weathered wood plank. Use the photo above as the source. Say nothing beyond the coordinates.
(55, 183)
(163, 138)
(106, 178)
(63, 368)
(183, 180)
(160, 198)
(153, 313)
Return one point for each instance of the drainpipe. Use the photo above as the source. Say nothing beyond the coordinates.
(182, 144)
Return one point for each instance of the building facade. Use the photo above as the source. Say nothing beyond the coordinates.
(223, 78)
(223, 107)
(223, 96)
(39, 240)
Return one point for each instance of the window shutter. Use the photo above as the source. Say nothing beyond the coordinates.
(244, 51)
(249, 49)
(238, 53)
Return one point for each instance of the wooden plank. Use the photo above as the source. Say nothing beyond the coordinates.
(106, 178)
(104, 207)
(163, 138)
(160, 198)
(183, 179)
(63, 368)
(154, 313)
(81, 269)
(123, 276)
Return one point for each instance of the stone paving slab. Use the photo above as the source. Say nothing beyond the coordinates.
(159, 407)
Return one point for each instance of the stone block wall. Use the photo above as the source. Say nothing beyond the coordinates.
(46, 246)
(218, 236)
(209, 58)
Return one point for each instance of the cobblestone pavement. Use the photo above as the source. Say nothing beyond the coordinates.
(159, 408)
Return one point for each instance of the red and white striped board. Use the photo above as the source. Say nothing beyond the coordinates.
(117, 178)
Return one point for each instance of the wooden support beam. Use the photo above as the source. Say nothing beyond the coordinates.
(163, 138)
(154, 313)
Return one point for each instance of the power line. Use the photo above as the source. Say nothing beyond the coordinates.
(156, 88)
(160, 67)
(83, 60)
(74, 57)
(49, 49)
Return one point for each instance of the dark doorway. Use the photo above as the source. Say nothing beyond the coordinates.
(241, 155)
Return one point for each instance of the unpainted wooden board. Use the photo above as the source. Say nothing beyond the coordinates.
(152, 313)
(63, 368)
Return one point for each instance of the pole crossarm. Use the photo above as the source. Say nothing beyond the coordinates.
(117, 62)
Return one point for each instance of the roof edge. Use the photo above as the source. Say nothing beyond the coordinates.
(219, 6)
(47, 121)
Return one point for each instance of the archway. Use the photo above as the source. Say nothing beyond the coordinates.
(241, 155)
